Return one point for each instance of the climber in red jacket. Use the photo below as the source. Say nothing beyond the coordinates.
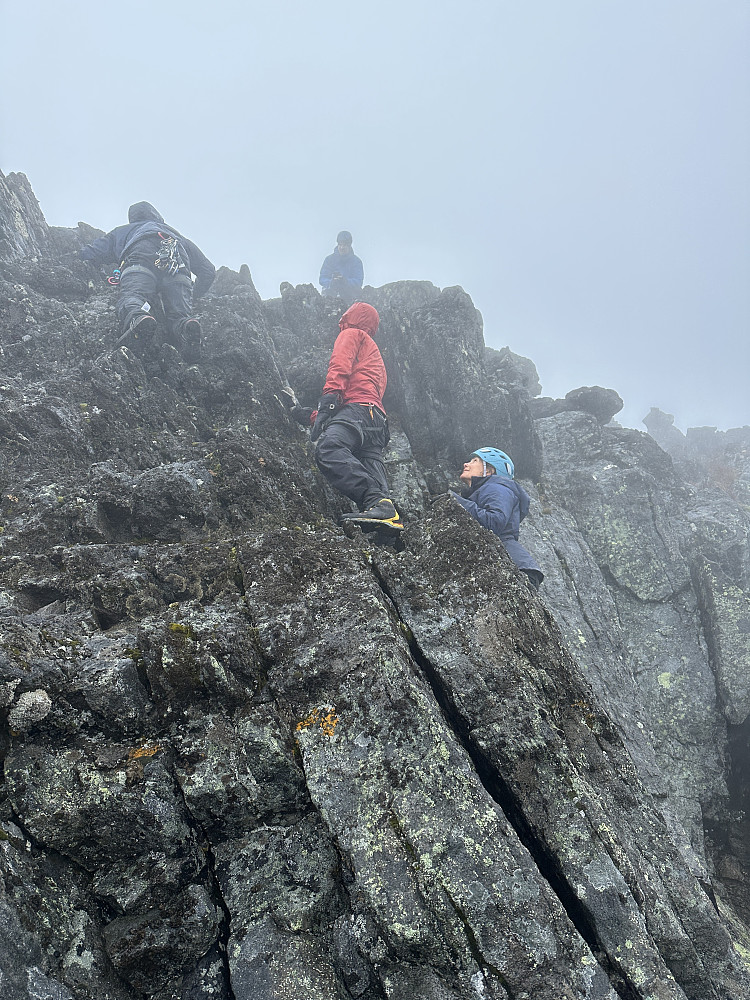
(350, 425)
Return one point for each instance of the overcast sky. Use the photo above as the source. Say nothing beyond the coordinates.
(580, 167)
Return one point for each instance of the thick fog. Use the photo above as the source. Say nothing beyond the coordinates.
(580, 168)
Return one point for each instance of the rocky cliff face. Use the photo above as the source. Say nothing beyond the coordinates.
(247, 756)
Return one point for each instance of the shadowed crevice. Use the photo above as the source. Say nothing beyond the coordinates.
(222, 941)
(503, 795)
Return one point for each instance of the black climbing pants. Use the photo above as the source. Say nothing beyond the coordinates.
(141, 282)
(350, 453)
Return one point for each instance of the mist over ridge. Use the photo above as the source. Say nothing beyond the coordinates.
(581, 171)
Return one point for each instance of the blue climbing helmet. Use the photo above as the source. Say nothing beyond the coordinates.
(502, 463)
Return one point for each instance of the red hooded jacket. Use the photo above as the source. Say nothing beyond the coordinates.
(356, 370)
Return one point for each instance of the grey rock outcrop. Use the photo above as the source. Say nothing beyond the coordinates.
(23, 228)
(246, 755)
(600, 403)
(706, 456)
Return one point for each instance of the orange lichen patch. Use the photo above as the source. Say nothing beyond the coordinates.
(586, 710)
(324, 717)
(147, 750)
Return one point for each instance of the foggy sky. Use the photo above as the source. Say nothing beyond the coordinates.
(580, 168)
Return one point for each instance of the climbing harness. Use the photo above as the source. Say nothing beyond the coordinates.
(168, 258)
(114, 278)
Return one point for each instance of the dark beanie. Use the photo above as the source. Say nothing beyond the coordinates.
(344, 237)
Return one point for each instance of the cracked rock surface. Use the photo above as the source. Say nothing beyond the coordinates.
(246, 755)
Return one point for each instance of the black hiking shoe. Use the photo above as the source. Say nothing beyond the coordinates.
(139, 334)
(383, 514)
(191, 342)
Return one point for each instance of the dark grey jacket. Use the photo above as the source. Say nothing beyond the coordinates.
(145, 221)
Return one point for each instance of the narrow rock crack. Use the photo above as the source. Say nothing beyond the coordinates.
(505, 798)
(226, 920)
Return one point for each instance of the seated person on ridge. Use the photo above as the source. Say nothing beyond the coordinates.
(494, 498)
(342, 272)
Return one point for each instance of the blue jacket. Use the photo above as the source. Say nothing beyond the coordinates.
(348, 265)
(114, 247)
(500, 504)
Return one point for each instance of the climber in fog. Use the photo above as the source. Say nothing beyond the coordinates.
(350, 425)
(342, 272)
(494, 498)
(153, 259)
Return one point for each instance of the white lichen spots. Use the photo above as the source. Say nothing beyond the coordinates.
(7, 691)
(639, 976)
(31, 707)
(478, 984)
(523, 889)
(40, 987)
(477, 893)
(541, 939)
(78, 954)
(601, 875)
(665, 680)
(219, 672)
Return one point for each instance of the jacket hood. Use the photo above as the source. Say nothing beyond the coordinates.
(524, 500)
(143, 211)
(361, 316)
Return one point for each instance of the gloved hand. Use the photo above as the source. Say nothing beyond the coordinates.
(92, 268)
(302, 414)
(326, 408)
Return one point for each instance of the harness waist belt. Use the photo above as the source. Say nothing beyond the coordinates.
(373, 406)
(182, 273)
(136, 267)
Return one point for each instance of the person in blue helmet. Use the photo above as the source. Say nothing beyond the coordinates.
(494, 498)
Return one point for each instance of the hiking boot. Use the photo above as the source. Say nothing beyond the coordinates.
(139, 334)
(383, 514)
(191, 342)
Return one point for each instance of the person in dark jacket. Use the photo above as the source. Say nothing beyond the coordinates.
(350, 425)
(494, 498)
(154, 259)
(342, 272)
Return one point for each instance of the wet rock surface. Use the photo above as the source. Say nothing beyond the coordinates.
(246, 755)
